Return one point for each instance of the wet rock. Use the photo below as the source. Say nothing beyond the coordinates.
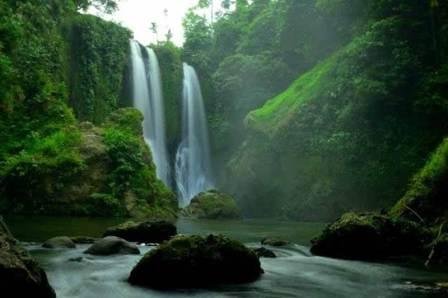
(20, 274)
(144, 232)
(212, 205)
(59, 242)
(83, 239)
(194, 261)
(78, 259)
(263, 252)
(370, 237)
(112, 245)
(272, 241)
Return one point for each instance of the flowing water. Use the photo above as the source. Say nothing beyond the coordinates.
(148, 99)
(294, 273)
(193, 167)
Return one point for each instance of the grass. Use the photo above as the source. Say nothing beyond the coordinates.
(278, 110)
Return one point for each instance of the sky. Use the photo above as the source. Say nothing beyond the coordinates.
(138, 15)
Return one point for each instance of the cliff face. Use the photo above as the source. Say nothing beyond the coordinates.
(350, 133)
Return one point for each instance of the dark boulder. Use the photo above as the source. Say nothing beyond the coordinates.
(272, 241)
(112, 245)
(212, 205)
(263, 252)
(370, 237)
(83, 239)
(194, 261)
(144, 232)
(20, 274)
(59, 242)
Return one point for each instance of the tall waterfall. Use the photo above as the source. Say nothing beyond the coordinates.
(193, 168)
(148, 99)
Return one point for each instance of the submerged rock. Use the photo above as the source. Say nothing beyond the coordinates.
(20, 275)
(59, 242)
(370, 237)
(144, 232)
(77, 259)
(112, 245)
(194, 261)
(212, 205)
(274, 241)
(263, 252)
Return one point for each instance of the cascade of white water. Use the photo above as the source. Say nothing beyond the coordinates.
(148, 99)
(193, 166)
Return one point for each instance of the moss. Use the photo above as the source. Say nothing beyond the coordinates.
(371, 237)
(194, 261)
(212, 205)
(425, 198)
(126, 119)
(277, 111)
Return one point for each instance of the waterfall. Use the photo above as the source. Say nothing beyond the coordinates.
(193, 168)
(148, 99)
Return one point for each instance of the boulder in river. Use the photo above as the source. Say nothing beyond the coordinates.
(20, 274)
(59, 242)
(212, 205)
(370, 236)
(112, 245)
(144, 232)
(273, 241)
(83, 239)
(263, 252)
(195, 261)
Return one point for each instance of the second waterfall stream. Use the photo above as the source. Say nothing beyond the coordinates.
(193, 163)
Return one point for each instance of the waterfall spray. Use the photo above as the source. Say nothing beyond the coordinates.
(148, 99)
(193, 166)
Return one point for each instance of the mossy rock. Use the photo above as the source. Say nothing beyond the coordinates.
(59, 242)
(88, 170)
(144, 232)
(370, 237)
(112, 245)
(212, 205)
(20, 274)
(273, 241)
(263, 252)
(195, 262)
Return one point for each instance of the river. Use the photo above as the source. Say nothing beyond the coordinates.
(294, 273)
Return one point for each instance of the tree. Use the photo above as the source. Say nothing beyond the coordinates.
(154, 30)
(108, 6)
(169, 35)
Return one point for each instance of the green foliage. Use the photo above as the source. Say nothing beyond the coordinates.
(128, 120)
(131, 166)
(425, 198)
(348, 134)
(252, 53)
(98, 57)
(108, 6)
(42, 169)
(170, 62)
